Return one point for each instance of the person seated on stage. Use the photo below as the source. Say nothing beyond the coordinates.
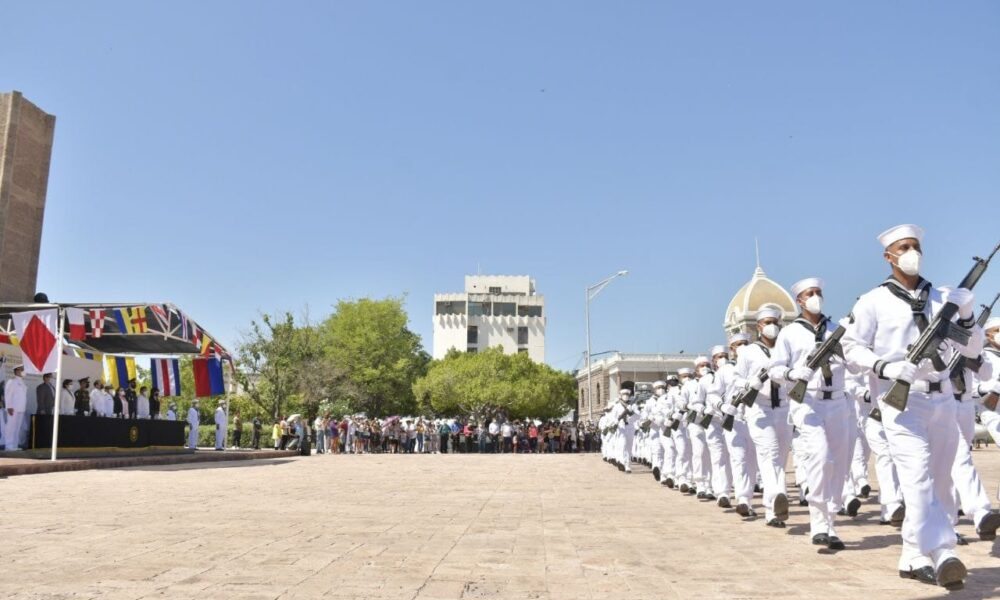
(45, 396)
(67, 401)
(142, 403)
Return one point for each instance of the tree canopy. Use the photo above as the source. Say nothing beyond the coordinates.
(490, 383)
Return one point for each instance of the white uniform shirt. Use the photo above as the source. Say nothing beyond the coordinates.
(67, 402)
(15, 394)
(711, 390)
(171, 415)
(221, 419)
(142, 407)
(793, 346)
(193, 417)
(882, 328)
(749, 363)
(97, 402)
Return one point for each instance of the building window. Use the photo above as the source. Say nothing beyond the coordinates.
(471, 349)
(522, 336)
(472, 337)
(479, 309)
(522, 350)
(496, 291)
(504, 309)
(529, 311)
(450, 308)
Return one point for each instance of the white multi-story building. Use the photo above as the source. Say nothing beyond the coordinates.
(494, 310)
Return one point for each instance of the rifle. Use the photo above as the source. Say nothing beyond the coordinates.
(940, 329)
(818, 358)
(748, 396)
(706, 420)
(958, 363)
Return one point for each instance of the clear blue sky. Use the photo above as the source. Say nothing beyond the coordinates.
(232, 157)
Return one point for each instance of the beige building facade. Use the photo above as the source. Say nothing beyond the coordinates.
(26, 134)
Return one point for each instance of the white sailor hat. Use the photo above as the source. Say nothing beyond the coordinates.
(739, 337)
(624, 390)
(993, 323)
(769, 312)
(684, 371)
(719, 349)
(700, 360)
(900, 232)
(804, 284)
(16, 365)
(659, 383)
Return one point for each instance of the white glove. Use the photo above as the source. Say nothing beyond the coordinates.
(925, 368)
(902, 370)
(676, 416)
(920, 386)
(800, 374)
(755, 384)
(696, 407)
(992, 388)
(729, 409)
(960, 297)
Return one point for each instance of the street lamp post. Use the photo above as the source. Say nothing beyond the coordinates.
(592, 293)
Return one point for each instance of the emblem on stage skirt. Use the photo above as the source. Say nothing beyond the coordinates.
(133, 434)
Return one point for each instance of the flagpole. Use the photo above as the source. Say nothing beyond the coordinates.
(58, 384)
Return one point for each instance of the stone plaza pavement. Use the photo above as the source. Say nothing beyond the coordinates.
(433, 526)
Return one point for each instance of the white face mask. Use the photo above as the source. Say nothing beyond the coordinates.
(770, 331)
(720, 361)
(704, 371)
(815, 304)
(909, 262)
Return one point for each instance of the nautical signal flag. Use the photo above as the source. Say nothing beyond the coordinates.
(120, 369)
(97, 316)
(166, 375)
(77, 330)
(206, 344)
(208, 377)
(131, 320)
(38, 331)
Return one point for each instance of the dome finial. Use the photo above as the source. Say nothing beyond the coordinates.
(758, 272)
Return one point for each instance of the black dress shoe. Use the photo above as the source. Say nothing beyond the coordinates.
(656, 473)
(821, 539)
(776, 524)
(961, 512)
(684, 488)
(781, 507)
(691, 491)
(923, 575)
(757, 489)
(853, 507)
(842, 512)
(709, 496)
(960, 540)
(835, 543)
(987, 529)
(866, 490)
(669, 482)
(701, 495)
(742, 510)
(724, 502)
(951, 574)
(803, 502)
(883, 522)
(898, 515)
(621, 467)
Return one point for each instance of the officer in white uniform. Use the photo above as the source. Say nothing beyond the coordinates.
(701, 471)
(822, 418)
(767, 420)
(870, 423)
(655, 409)
(987, 384)
(193, 420)
(923, 439)
(679, 432)
(15, 394)
(627, 415)
(221, 425)
(713, 387)
(667, 447)
(172, 412)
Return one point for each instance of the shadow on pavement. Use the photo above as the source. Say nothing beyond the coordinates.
(227, 464)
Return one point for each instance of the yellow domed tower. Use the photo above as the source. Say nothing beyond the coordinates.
(759, 292)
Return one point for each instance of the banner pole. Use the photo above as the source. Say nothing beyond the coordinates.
(58, 385)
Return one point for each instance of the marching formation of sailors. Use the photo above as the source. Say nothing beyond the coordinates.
(898, 380)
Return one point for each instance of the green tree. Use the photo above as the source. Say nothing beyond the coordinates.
(373, 357)
(490, 383)
(269, 359)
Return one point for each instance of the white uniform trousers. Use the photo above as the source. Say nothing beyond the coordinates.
(627, 439)
(851, 486)
(722, 474)
(655, 449)
(667, 455)
(798, 459)
(12, 430)
(742, 461)
(923, 440)
(885, 470)
(701, 472)
(193, 438)
(971, 495)
(220, 438)
(682, 454)
(823, 435)
(772, 439)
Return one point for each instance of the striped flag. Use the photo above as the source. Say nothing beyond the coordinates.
(120, 370)
(208, 379)
(206, 344)
(77, 329)
(131, 321)
(166, 375)
(184, 325)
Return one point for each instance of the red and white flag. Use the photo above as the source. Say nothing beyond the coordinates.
(38, 330)
(77, 330)
(162, 317)
(97, 316)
